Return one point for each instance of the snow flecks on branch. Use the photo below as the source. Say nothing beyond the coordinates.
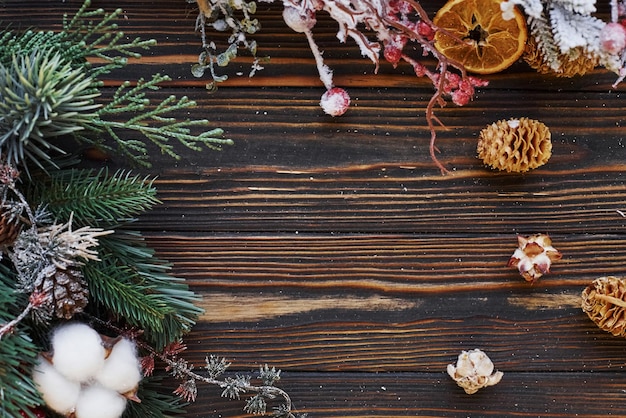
(561, 28)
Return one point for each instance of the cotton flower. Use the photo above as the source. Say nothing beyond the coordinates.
(473, 371)
(534, 256)
(59, 393)
(99, 402)
(88, 375)
(121, 371)
(78, 353)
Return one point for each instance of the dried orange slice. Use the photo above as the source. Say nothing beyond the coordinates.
(477, 35)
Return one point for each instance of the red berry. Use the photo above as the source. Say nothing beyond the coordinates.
(392, 54)
(335, 102)
(613, 38)
(425, 30)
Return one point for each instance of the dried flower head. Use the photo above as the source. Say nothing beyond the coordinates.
(67, 245)
(604, 301)
(515, 145)
(534, 256)
(474, 371)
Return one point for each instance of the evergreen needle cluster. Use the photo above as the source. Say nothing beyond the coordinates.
(49, 89)
(66, 250)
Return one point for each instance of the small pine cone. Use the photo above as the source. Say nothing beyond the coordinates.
(578, 62)
(9, 229)
(68, 291)
(604, 301)
(515, 145)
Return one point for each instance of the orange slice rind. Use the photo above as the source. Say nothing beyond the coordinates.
(474, 34)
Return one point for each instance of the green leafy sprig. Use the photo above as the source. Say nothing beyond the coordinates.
(135, 285)
(154, 124)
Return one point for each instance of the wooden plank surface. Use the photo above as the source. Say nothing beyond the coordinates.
(333, 249)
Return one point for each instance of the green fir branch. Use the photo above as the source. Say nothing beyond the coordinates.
(171, 309)
(17, 354)
(90, 34)
(118, 290)
(95, 198)
(41, 98)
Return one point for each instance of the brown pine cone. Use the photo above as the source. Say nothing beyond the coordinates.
(9, 229)
(604, 301)
(515, 145)
(68, 291)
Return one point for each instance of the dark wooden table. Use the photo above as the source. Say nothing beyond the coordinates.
(333, 249)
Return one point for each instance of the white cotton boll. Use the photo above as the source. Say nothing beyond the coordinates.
(121, 371)
(99, 402)
(59, 393)
(78, 353)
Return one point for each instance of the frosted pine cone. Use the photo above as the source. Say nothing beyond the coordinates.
(534, 256)
(578, 62)
(68, 291)
(474, 371)
(516, 145)
(604, 301)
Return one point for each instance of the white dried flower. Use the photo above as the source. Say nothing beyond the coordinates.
(67, 246)
(59, 393)
(121, 371)
(78, 353)
(96, 401)
(474, 371)
(534, 256)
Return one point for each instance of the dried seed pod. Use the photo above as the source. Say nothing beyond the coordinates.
(604, 301)
(474, 371)
(576, 63)
(534, 256)
(515, 145)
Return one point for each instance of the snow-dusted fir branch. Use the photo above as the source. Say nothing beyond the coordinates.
(232, 387)
(565, 29)
(39, 249)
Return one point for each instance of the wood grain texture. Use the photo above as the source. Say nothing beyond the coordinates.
(333, 249)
